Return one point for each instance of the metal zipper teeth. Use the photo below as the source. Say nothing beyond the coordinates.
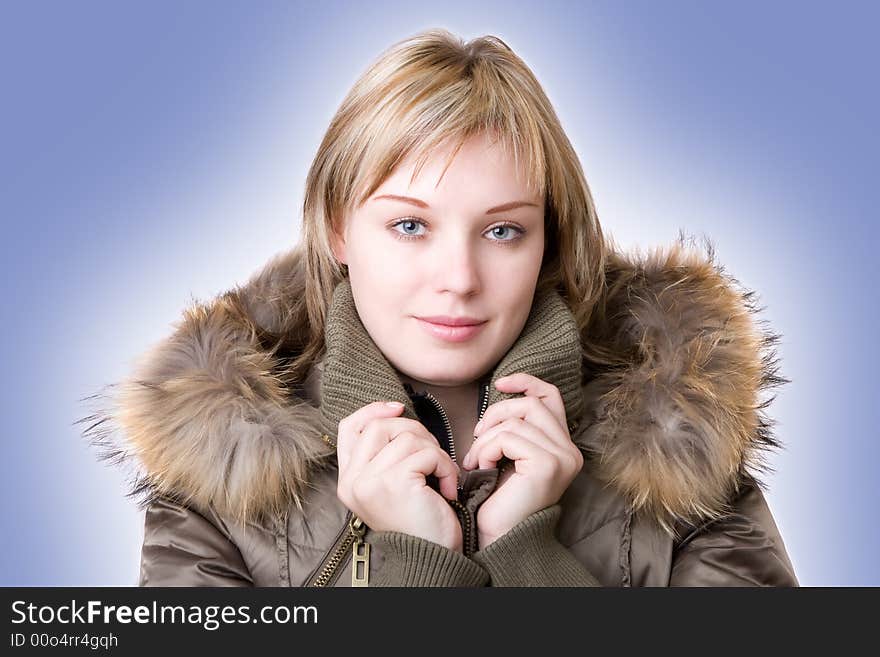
(468, 534)
(344, 542)
(331, 566)
(446, 419)
(445, 422)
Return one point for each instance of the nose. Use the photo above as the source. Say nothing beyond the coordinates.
(457, 267)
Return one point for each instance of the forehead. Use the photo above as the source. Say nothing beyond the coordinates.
(480, 168)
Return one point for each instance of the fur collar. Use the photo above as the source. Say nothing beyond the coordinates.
(671, 417)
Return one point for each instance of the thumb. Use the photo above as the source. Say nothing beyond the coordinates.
(448, 473)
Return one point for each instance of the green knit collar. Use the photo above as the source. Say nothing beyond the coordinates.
(355, 373)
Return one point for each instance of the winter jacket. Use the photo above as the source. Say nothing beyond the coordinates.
(235, 464)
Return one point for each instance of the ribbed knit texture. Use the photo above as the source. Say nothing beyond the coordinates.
(531, 555)
(356, 373)
(412, 561)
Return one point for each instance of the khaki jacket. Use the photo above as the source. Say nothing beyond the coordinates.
(235, 465)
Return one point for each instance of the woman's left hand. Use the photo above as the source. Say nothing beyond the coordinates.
(533, 432)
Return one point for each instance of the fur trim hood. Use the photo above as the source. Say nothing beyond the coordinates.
(671, 415)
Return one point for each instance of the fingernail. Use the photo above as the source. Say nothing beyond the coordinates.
(477, 428)
(394, 404)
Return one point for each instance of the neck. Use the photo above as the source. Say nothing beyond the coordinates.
(459, 402)
(462, 391)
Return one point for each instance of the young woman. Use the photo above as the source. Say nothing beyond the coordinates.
(566, 415)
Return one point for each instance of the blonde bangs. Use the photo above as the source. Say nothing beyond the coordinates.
(431, 102)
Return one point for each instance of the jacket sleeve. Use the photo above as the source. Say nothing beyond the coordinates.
(531, 555)
(742, 548)
(184, 548)
(414, 561)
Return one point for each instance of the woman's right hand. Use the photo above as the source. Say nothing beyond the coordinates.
(383, 461)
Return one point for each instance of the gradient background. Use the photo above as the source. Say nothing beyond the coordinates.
(153, 153)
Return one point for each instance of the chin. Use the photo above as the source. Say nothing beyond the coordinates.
(448, 376)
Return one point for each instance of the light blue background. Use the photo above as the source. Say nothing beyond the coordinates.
(156, 152)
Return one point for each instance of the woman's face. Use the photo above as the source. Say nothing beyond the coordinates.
(462, 248)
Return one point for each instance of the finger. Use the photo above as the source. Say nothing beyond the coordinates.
(531, 386)
(510, 445)
(403, 445)
(378, 433)
(519, 427)
(430, 461)
(528, 409)
(352, 425)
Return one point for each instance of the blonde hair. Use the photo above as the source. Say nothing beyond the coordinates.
(431, 89)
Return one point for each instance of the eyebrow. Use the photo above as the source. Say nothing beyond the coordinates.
(414, 201)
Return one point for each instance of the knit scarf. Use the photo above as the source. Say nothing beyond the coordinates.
(355, 373)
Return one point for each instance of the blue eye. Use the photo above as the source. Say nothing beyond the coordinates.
(409, 223)
(502, 227)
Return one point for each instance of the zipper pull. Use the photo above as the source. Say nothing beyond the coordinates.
(360, 553)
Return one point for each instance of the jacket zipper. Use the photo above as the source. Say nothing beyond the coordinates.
(353, 538)
(352, 535)
(485, 402)
(469, 536)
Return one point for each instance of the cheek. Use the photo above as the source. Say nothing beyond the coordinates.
(512, 296)
(512, 276)
(371, 259)
(382, 310)
(512, 307)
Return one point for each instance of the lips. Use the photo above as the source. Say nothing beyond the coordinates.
(446, 320)
(451, 333)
